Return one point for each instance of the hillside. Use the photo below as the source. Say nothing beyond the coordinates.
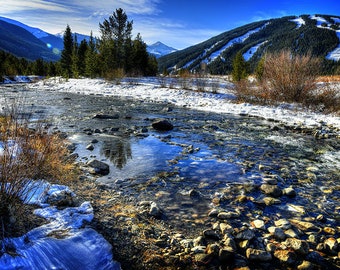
(318, 34)
(20, 42)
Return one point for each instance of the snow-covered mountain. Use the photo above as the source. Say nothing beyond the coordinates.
(315, 34)
(159, 49)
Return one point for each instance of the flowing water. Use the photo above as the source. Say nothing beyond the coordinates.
(207, 156)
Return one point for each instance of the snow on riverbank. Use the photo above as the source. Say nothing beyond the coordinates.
(62, 243)
(220, 103)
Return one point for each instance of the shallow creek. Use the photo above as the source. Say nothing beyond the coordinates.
(207, 157)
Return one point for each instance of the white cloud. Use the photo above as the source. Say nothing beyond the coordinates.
(8, 7)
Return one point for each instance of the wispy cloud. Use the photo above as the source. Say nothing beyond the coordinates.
(8, 7)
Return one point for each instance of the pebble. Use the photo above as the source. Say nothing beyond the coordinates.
(271, 190)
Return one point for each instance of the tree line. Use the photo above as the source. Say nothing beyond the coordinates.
(114, 54)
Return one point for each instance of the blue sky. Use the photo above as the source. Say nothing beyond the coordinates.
(177, 23)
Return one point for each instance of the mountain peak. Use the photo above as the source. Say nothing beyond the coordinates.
(159, 49)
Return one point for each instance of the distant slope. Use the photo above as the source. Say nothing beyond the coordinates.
(318, 34)
(20, 42)
(159, 49)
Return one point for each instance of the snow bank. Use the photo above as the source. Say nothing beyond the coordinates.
(63, 243)
(220, 103)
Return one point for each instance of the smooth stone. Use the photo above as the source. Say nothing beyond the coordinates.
(285, 256)
(290, 192)
(278, 233)
(300, 246)
(227, 215)
(258, 255)
(283, 223)
(245, 235)
(258, 224)
(271, 190)
(99, 167)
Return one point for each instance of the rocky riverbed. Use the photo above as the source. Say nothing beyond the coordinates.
(215, 190)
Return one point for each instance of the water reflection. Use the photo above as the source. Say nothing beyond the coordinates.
(118, 151)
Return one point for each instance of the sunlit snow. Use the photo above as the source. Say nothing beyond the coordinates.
(323, 23)
(249, 54)
(299, 21)
(62, 243)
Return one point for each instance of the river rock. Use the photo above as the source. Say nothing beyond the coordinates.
(306, 265)
(99, 167)
(258, 224)
(304, 225)
(155, 211)
(107, 116)
(271, 190)
(290, 192)
(285, 256)
(331, 246)
(162, 125)
(245, 235)
(300, 246)
(258, 255)
(283, 223)
(278, 233)
(90, 147)
(226, 255)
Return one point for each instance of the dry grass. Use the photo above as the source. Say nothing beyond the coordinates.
(27, 154)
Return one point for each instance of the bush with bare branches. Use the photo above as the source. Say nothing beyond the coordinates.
(288, 77)
(27, 154)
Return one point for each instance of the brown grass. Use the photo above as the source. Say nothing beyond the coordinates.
(27, 154)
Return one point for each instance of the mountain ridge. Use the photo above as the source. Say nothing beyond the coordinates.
(317, 34)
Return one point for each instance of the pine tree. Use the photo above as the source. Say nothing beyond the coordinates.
(140, 56)
(115, 39)
(91, 59)
(66, 54)
(75, 59)
(82, 56)
(239, 71)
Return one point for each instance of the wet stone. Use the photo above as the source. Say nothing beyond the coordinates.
(306, 265)
(271, 190)
(278, 233)
(290, 192)
(245, 235)
(285, 256)
(228, 215)
(258, 255)
(99, 167)
(298, 245)
(283, 223)
(162, 125)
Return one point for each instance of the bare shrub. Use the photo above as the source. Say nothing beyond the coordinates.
(326, 98)
(200, 80)
(184, 78)
(26, 154)
(248, 91)
(288, 77)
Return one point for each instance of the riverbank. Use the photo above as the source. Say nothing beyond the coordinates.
(236, 190)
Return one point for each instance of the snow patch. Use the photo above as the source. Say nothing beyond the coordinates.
(63, 243)
(299, 22)
(249, 54)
